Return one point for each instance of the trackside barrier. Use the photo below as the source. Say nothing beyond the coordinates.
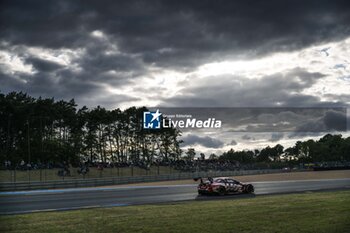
(13, 186)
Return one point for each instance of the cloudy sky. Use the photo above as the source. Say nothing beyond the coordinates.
(180, 54)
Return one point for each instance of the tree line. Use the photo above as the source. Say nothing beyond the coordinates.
(327, 149)
(42, 130)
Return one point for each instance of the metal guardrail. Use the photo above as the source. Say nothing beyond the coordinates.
(16, 186)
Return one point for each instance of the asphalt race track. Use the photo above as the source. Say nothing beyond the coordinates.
(69, 199)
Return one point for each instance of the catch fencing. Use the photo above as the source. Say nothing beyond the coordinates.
(92, 182)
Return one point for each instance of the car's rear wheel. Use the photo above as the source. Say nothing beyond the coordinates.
(221, 191)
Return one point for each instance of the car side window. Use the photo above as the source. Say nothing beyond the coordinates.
(219, 181)
(232, 181)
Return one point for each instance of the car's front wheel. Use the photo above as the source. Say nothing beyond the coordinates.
(249, 189)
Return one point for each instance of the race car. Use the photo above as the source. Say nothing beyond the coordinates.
(222, 186)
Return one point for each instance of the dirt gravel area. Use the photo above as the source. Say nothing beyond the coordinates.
(304, 175)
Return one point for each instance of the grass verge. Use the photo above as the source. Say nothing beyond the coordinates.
(308, 212)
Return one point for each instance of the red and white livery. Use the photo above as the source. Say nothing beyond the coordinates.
(222, 186)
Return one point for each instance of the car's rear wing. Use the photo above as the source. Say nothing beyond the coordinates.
(210, 179)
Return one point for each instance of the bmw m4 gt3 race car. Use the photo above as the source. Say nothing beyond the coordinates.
(222, 186)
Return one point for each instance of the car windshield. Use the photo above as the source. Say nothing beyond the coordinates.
(219, 180)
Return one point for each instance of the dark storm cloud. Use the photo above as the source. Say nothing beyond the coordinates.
(62, 85)
(248, 137)
(301, 134)
(206, 141)
(43, 65)
(275, 137)
(212, 30)
(277, 90)
(178, 33)
(9, 83)
(331, 121)
(86, 77)
(335, 120)
(101, 54)
(233, 143)
(53, 24)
